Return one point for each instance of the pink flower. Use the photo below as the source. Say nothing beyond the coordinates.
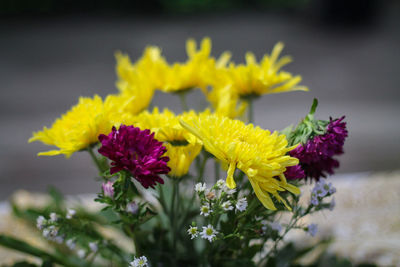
(108, 189)
(136, 152)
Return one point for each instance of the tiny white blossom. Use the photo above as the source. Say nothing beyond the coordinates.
(210, 194)
(81, 253)
(70, 244)
(332, 205)
(139, 262)
(241, 204)
(219, 184)
(46, 233)
(53, 217)
(205, 210)
(93, 246)
(58, 239)
(229, 191)
(312, 229)
(200, 187)
(132, 207)
(227, 205)
(208, 233)
(40, 222)
(70, 213)
(193, 232)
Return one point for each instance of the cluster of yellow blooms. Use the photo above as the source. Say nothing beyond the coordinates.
(262, 156)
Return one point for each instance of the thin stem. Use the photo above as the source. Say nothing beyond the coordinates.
(173, 217)
(216, 170)
(250, 111)
(182, 97)
(95, 159)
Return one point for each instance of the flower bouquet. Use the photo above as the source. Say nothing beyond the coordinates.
(199, 188)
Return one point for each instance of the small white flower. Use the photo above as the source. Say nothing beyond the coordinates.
(70, 213)
(229, 191)
(139, 262)
(258, 218)
(200, 187)
(193, 232)
(58, 239)
(53, 217)
(219, 184)
(208, 233)
(227, 205)
(81, 253)
(93, 246)
(205, 210)
(40, 222)
(241, 204)
(46, 233)
(312, 229)
(332, 205)
(132, 207)
(70, 244)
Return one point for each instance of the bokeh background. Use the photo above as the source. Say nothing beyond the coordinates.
(52, 52)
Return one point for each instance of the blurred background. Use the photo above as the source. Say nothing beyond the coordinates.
(52, 52)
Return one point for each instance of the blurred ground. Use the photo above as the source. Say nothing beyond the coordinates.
(46, 64)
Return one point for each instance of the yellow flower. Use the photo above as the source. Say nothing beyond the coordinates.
(264, 77)
(182, 146)
(257, 152)
(138, 81)
(194, 73)
(80, 127)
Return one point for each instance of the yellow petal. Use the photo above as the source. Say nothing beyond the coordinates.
(230, 182)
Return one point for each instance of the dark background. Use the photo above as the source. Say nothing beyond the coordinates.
(52, 52)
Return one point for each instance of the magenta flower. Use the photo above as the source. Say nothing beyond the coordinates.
(108, 189)
(316, 156)
(294, 173)
(136, 152)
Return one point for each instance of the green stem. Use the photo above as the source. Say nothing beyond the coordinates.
(250, 111)
(173, 219)
(95, 159)
(216, 170)
(182, 97)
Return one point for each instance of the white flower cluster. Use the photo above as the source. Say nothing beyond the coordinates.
(208, 232)
(50, 230)
(217, 200)
(139, 262)
(321, 190)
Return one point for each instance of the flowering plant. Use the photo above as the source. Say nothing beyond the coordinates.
(158, 189)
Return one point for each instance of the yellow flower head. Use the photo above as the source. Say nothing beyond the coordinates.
(182, 146)
(80, 127)
(193, 73)
(257, 152)
(138, 81)
(264, 77)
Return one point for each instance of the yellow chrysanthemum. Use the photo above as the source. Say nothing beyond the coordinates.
(138, 81)
(182, 146)
(80, 127)
(194, 73)
(265, 77)
(257, 152)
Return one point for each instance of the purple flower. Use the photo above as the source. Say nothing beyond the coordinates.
(294, 172)
(315, 156)
(136, 152)
(108, 189)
